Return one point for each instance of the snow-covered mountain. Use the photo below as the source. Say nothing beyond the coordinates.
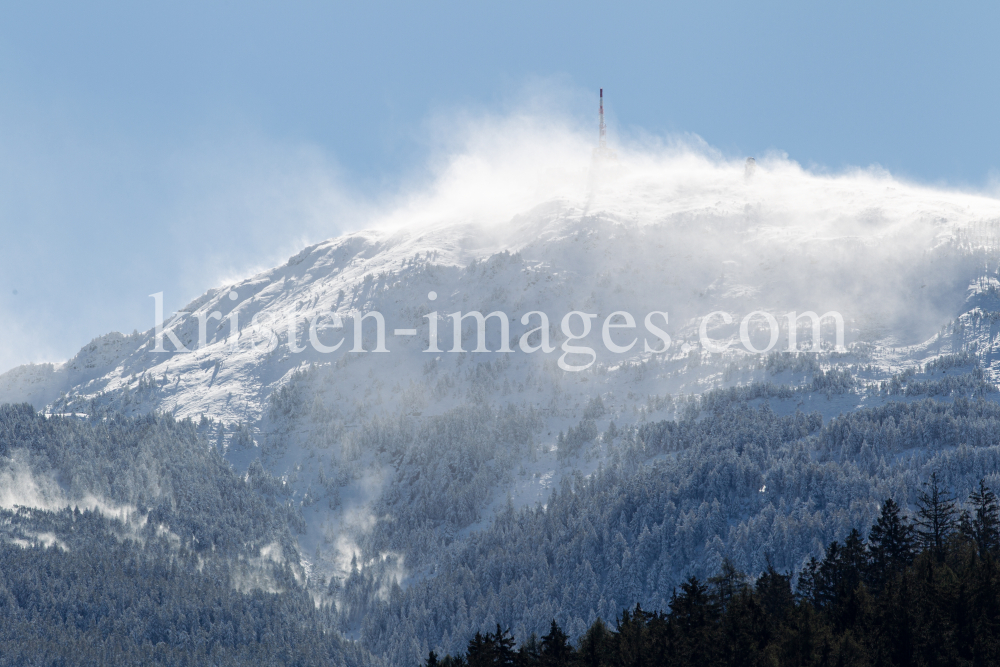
(687, 236)
(401, 459)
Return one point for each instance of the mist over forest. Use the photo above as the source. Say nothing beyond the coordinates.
(644, 403)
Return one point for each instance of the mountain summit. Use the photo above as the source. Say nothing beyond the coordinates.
(460, 371)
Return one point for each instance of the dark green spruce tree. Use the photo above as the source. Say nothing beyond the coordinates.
(984, 527)
(936, 517)
(556, 649)
(890, 546)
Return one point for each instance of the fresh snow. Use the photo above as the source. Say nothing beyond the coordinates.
(912, 269)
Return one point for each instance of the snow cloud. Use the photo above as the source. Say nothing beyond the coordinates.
(798, 239)
(20, 486)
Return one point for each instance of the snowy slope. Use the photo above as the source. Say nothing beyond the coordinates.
(688, 236)
(912, 270)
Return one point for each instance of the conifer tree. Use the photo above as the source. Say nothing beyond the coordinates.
(853, 562)
(810, 583)
(595, 646)
(890, 545)
(936, 516)
(984, 528)
(480, 651)
(727, 584)
(692, 620)
(529, 652)
(503, 648)
(556, 649)
(632, 643)
(774, 591)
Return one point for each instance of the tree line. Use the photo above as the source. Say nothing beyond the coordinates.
(921, 590)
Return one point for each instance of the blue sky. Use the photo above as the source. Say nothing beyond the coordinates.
(163, 147)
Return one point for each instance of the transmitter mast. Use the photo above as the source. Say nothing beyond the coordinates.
(602, 151)
(604, 129)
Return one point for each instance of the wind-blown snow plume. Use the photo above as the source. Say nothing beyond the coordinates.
(391, 464)
(673, 227)
(19, 486)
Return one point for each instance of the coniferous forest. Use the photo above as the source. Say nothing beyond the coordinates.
(182, 562)
(925, 592)
(422, 375)
(135, 541)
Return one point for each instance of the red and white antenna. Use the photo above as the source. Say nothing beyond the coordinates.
(602, 152)
(604, 129)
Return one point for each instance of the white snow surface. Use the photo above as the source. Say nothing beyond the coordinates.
(679, 231)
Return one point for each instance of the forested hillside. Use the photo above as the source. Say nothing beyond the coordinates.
(132, 541)
(920, 593)
(676, 500)
(378, 449)
(117, 522)
(142, 524)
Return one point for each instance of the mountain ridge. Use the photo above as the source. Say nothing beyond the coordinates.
(401, 462)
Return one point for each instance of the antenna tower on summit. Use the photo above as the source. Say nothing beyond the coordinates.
(602, 152)
(604, 128)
